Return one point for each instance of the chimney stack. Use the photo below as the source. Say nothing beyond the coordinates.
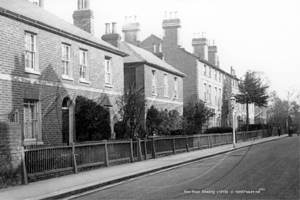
(171, 29)
(111, 36)
(84, 17)
(200, 47)
(212, 55)
(131, 31)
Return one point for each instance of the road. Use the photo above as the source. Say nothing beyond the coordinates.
(266, 171)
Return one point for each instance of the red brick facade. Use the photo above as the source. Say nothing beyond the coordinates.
(47, 85)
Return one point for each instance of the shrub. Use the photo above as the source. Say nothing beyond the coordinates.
(219, 130)
(92, 120)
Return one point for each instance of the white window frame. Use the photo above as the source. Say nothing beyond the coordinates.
(32, 122)
(166, 86)
(83, 66)
(209, 90)
(176, 95)
(216, 94)
(31, 59)
(66, 58)
(154, 91)
(205, 92)
(108, 74)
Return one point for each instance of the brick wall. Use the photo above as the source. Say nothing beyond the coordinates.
(10, 154)
(49, 87)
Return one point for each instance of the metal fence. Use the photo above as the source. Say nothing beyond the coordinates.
(41, 161)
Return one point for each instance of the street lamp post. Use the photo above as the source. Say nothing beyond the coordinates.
(233, 101)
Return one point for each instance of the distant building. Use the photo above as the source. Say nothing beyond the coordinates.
(162, 84)
(47, 62)
(204, 79)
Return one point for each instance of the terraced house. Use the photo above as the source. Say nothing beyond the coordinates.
(162, 84)
(205, 79)
(46, 63)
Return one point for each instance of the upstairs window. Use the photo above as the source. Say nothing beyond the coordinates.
(205, 70)
(209, 72)
(154, 48)
(205, 92)
(83, 64)
(176, 96)
(165, 85)
(154, 82)
(30, 51)
(209, 93)
(108, 79)
(66, 59)
(220, 76)
(216, 75)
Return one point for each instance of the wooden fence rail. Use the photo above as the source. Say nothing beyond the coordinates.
(41, 161)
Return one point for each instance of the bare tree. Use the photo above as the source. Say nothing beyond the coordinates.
(132, 106)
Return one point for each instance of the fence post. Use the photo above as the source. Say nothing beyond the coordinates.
(24, 166)
(131, 151)
(139, 149)
(199, 144)
(210, 139)
(174, 152)
(153, 148)
(105, 154)
(227, 138)
(187, 144)
(145, 147)
(74, 159)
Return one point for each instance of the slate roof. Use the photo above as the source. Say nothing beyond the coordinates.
(139, 55)
(26, 10)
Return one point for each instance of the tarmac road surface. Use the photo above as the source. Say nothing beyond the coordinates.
(266, 171)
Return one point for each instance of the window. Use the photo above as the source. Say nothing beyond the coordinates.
(216, 93)
(166, 85)
(154, 48)
(219, 76)
(220, 96)
(209, 93)
(30, 51)
(108, 71)
(32, 124)
(216, 75)
(66, 59)
(83, 64)
(176, 96)
(209, 72)
(153, 83)
(205, 97)
(159, 47)
(204, 70)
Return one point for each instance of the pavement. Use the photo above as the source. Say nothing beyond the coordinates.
(61, 187)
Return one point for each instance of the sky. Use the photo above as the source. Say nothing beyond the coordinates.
(259, 35)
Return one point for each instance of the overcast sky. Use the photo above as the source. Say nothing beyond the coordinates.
(261, 35)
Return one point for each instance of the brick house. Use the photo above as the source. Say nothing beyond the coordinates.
(46, 63)
(162, 83)
(205, 79)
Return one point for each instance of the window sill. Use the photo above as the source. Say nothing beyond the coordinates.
(154, 94)
(109, 86)
(81, 80)
(31, 71)
(28, 142)
(65, 77)
(166, 96)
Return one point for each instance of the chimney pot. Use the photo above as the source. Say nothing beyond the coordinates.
(114, 27)
(41, 3)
